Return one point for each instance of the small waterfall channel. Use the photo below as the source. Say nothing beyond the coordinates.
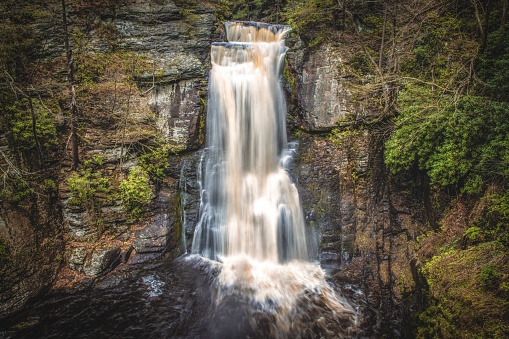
(251, 225)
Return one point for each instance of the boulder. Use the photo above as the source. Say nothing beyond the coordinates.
(154, 237)
(102, 261)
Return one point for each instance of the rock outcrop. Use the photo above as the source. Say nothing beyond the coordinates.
(368, 221)
(146, 84)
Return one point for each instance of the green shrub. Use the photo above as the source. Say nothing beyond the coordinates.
(462, 143)
(84, 185)
(81, 188)
(135, 191)
(155, 163)
(313, 19)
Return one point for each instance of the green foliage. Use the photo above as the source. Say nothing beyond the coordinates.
(493, 225)
(440, 50)
(18, 37)
(254, 10)
(84, 185)
(361, 64)
(4, 249)
(436, 322)
(17, 189)
(49, 186)
(135, 191)
(21, 190)
(456, 142)
(465, 293)
(473, 233)
(82, 193)
(489, 276)
(20, 130)
(493, 66)
(155, 163)
(311, 19)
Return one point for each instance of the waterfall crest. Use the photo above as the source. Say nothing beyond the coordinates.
(249, 206)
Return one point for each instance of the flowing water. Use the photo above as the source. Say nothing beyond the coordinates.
(251, 224)
(250, 274)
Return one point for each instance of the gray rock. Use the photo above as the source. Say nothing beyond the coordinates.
(324, 94)
(76, 222)
(178, 107)
(154, 237)
(189, 197)
(102, 261)
(77, 256)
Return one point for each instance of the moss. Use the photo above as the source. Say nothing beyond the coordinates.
(155, 163)
(289, 81)
(91, 188)
(466, 290)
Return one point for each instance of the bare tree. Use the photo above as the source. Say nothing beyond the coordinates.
(482, 16)
(72, 93)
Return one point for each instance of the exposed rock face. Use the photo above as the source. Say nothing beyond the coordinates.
(178, 106)
(166, 99)
(190, 196)
(101, 261)
(324, 90)
(35, 245)
(178, 48)
(368, 222)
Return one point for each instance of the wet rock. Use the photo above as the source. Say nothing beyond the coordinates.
(102, 261)
(189, 197)
(152, 238)
(143, 258)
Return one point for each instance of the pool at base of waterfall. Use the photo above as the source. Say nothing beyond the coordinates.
(193, 297)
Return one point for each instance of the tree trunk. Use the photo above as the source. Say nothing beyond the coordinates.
(505, 5)
(72, 93)
(394, 31)
(485, 26)
(381, 55)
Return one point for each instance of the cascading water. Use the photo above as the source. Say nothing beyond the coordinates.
(250, 206)
(251, 224)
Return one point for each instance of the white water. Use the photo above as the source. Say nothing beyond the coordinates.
(251, 220)
(249, 204)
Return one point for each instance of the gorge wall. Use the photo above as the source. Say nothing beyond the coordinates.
(148, 94)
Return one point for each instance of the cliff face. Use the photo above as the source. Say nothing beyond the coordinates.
(365, 223)
(140, 86)
(368, 220)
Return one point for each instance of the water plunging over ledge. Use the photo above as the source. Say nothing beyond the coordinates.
(251, 223)
(249, 204)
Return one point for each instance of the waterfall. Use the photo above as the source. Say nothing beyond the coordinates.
(251, 225)
(249, 204)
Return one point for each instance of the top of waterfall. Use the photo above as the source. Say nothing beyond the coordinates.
(251, 31)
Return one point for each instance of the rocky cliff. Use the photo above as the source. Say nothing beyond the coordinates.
(140, 88)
